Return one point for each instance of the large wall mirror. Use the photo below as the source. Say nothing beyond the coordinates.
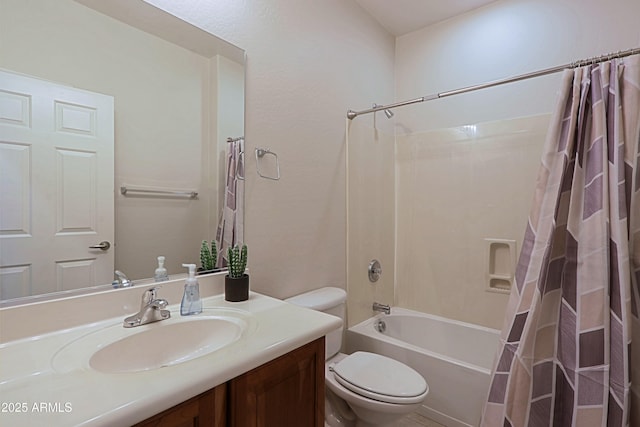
(177, 95)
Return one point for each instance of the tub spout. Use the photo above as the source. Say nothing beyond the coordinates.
(384, 308)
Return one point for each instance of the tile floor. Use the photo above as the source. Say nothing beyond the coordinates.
(416, 420)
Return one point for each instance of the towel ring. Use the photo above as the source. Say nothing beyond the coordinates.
(260, 153)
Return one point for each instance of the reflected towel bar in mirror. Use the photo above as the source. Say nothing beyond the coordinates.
(124, 190)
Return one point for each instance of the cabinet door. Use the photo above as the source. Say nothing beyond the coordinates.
(286, 392)
(205, 410)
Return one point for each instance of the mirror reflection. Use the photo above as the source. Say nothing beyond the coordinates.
(177, 95)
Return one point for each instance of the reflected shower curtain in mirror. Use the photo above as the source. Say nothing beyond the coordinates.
(565, 351)
(231, 226)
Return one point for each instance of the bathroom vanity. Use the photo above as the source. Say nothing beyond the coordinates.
(288, 391)
(259, 361)
(206, 409)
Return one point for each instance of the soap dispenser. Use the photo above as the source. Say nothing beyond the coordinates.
(161, 272)
(191, 302)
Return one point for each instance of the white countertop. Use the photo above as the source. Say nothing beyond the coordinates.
(35, 392)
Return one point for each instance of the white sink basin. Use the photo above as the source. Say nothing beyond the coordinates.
(115, 349)
(165, 345)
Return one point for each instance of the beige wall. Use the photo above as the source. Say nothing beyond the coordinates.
(504, 39)
(228, 103)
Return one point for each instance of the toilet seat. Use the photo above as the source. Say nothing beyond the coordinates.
(380, 378)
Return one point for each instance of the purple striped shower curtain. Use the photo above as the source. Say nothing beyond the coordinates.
(570, 348)
(231, 226)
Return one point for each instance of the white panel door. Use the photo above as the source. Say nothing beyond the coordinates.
(56, 187)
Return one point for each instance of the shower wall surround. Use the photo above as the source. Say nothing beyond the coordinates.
(370, 214)
(456, 187)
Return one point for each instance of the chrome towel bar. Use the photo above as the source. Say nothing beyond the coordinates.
(177, 193)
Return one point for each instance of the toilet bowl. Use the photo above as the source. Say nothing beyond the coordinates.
(379, 390)
(362, 389)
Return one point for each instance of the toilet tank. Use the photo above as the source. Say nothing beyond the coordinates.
(328, 300)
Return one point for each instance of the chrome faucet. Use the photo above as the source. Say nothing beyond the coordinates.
(152, 309)
(121, 280)
(384, 308)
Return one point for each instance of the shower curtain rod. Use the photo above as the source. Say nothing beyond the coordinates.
(353, 114)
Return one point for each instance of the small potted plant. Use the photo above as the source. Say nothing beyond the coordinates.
(236, 282)
(208, 257)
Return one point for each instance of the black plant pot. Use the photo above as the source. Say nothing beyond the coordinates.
(236, 288)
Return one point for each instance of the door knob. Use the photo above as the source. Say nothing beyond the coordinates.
(104, 245)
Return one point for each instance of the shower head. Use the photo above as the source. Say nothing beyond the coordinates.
(387, 112)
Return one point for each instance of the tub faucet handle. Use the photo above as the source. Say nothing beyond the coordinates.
(374, 270)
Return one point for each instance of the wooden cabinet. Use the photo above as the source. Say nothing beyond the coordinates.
(207, 409)
(285, 392)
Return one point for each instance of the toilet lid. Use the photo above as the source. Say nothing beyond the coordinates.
(380, 378)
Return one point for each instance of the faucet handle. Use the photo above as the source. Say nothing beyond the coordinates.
(149, 295)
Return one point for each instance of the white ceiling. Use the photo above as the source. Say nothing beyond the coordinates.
(404, 16)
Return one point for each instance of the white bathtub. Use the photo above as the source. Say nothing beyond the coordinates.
(454, 357)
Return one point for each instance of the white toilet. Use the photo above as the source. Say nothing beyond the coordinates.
(377, 390)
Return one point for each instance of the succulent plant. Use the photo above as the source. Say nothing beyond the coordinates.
(208, 256)
(237, 261)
